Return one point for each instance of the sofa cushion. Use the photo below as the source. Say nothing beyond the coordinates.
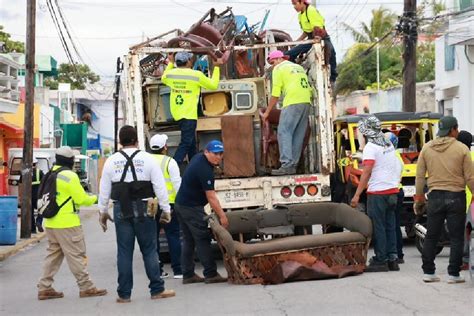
(295, 243)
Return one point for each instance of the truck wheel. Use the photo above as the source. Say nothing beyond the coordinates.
(300, 230)
(419, 245)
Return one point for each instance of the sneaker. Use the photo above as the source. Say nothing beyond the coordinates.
(49, 294)
(430, 278)
(177, 276)
(164, 275)
(165, 217)
(123, 300)
(216, 279)
(393, 266)
(164, 294)
(456, 279)
(194, 279)
(376, 266)
(93, 292)
(283, 171)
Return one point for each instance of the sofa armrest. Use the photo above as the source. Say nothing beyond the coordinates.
(224, 238)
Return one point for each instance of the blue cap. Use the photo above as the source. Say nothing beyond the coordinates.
(183, 57)
(215, 146)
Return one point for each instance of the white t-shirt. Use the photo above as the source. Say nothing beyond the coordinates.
(146, 169)
(387, 168)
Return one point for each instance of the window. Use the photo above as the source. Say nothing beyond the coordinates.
(449, 54)
(465, 4)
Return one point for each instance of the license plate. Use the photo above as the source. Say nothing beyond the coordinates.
(236, 196)
(409, 190)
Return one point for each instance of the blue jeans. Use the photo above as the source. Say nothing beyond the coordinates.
(144, 230)
(398, 230)
(449, 206)
(291, 130)
(381, 210)
(196, 234)
(187, 145)
(304, 48)
(173, 237)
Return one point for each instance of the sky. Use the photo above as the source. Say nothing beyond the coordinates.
(104, 29)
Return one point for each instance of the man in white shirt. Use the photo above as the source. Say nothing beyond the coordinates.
(131, 177)
(169, 168)
(381, 172)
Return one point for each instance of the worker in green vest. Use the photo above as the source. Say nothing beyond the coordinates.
(64, 232)
(186, 84)
(170, 170)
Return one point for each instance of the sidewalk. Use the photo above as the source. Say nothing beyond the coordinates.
(9, 250)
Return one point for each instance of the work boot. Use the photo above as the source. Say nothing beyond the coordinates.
(165, 217)
(123, 300)
(283, 171)
(40, 227)
(164, 294)
(376, 266)
(49, 294)
(430, 278)
(400, 260)
(194, 279)
(216, 279)
(93, 292)
(452, 279)
(393, 265)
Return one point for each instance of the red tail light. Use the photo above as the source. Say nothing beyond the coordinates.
(299, 190)
(285, 192)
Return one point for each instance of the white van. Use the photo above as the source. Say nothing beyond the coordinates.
(45, 157)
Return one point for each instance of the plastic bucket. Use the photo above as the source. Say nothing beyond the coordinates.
(8, 219)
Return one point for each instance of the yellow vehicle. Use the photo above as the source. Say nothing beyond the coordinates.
(413, 129)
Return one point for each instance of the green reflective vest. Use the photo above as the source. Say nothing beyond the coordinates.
(164, 161)
(37, 179)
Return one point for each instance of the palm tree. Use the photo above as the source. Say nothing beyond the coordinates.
(383, 20)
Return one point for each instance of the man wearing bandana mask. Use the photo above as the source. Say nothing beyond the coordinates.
(381, 176)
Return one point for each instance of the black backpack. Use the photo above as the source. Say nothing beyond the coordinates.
(47, 205)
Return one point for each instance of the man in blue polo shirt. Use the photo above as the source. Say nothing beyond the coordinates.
(196, 190)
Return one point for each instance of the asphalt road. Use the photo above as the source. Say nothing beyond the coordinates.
(390, 293)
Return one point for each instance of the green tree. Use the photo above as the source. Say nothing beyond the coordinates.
(10, 46)
(78, 76)
(383, 20)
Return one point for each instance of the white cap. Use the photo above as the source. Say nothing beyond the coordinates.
(158, 141)
(35, 160)
(65, 151)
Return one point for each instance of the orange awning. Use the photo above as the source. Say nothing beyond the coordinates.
(11, 127)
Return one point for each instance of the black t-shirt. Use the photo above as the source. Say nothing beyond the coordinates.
(197, 179)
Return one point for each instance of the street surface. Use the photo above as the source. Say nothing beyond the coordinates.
(390, 293)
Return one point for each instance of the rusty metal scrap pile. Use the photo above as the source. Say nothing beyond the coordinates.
(214, 35)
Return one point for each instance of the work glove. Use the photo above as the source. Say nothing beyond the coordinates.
(165, 217)
(419, 206)
(103, 218)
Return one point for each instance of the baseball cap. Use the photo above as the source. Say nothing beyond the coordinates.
(183, 57)
(445, 124)
(158, 141)
(276, 54)
(65, 151)
(215, 146)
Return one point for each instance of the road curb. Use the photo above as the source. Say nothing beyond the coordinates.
(22, 244)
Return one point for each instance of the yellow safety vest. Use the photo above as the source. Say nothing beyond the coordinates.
(186, 84)
(399, 156)
(164, 162)
(37, 182)
(68, 185)
(468, 192)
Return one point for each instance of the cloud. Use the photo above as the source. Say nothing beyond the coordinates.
(5, 15)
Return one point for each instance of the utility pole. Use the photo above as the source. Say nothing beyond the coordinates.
(116, 101)
(410, 35)
(26, 170)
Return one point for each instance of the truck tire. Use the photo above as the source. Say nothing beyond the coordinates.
(419, 245)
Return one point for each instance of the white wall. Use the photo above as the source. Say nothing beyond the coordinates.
(455, 88)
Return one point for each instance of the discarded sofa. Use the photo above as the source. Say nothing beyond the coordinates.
(289, 257)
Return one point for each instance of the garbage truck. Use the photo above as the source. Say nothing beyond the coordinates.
(233, 112)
